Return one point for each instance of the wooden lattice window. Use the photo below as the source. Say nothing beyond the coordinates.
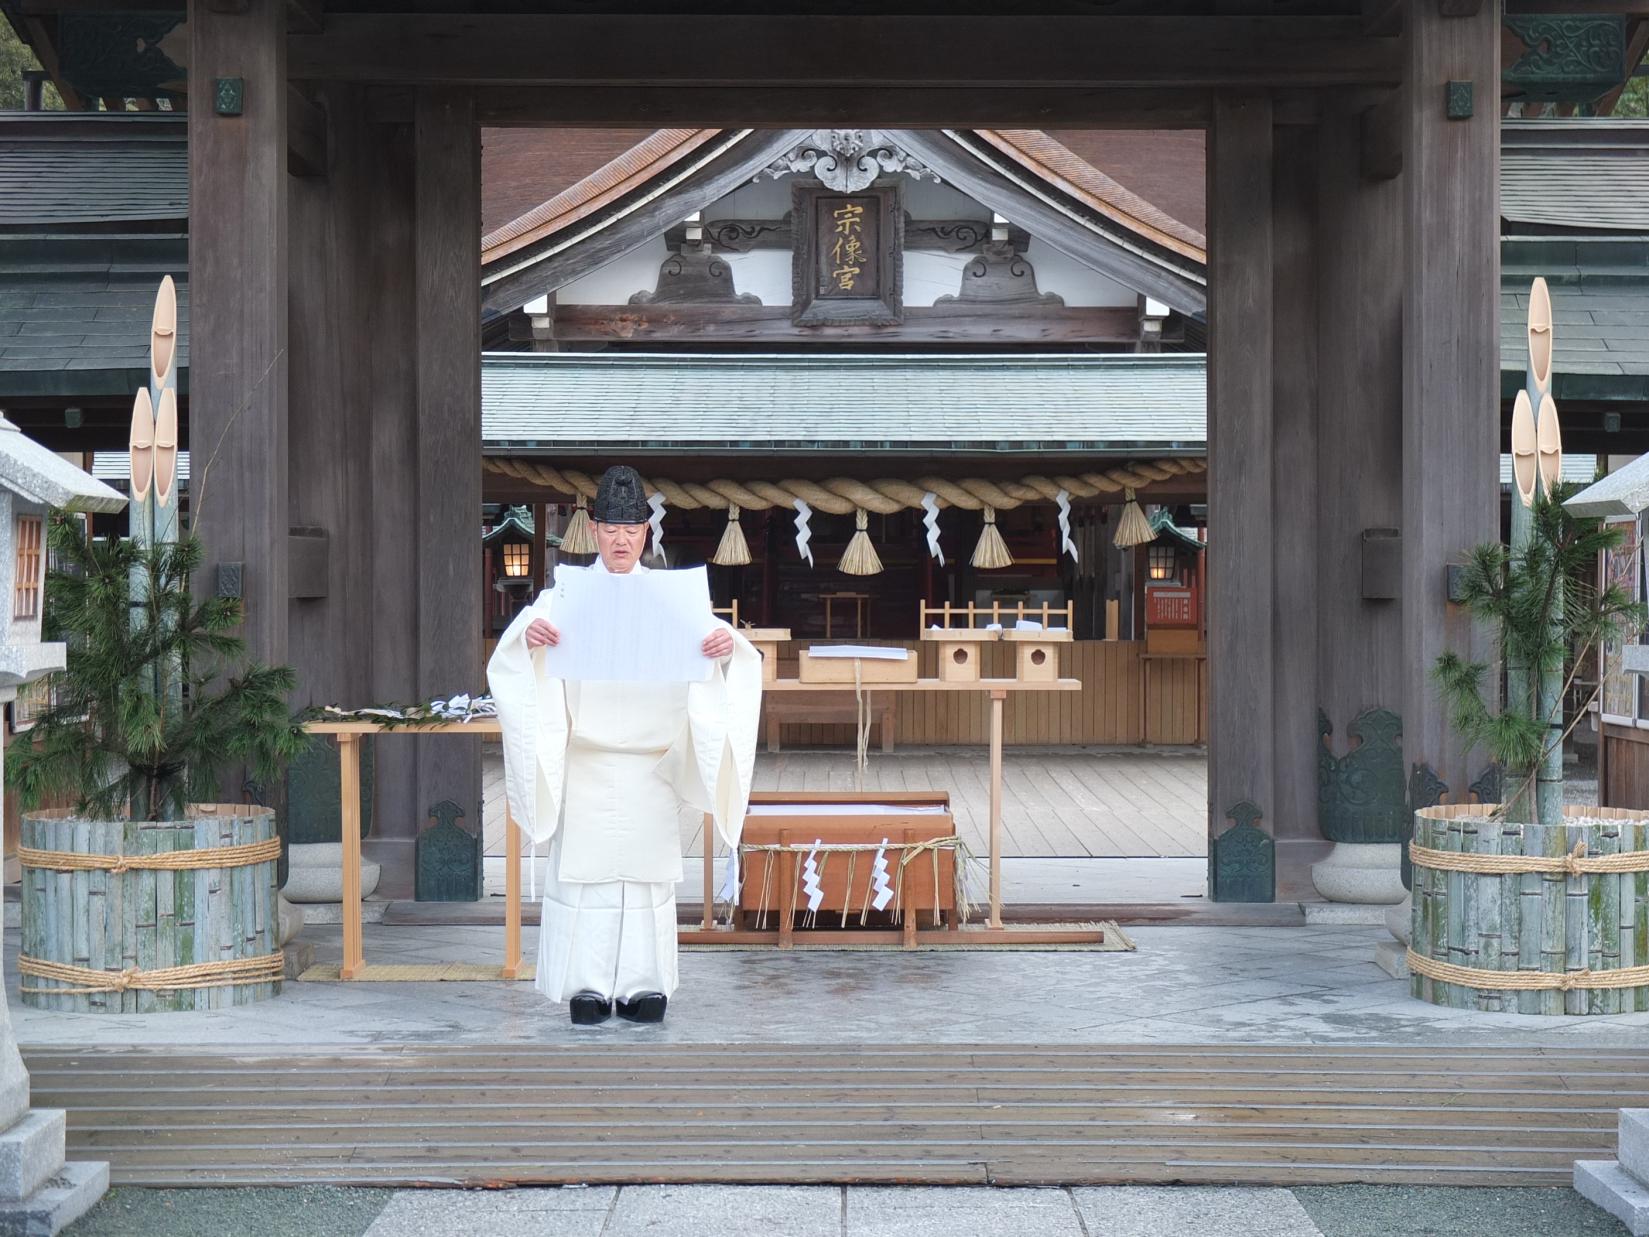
(26, 584)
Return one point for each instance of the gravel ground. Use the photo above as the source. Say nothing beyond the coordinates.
(1417, 1211)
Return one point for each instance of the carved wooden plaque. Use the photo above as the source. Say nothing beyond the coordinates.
(847, 256)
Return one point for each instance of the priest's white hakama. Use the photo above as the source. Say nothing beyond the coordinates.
(603, 772)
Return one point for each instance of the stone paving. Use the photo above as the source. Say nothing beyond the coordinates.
(1184, 985)
(832, 1211)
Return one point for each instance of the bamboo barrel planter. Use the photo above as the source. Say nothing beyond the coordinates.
(138, 916)
(1561, 911)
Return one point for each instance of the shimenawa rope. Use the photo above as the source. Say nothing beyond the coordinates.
(220, 974)
(167, 861)
(1575, 863)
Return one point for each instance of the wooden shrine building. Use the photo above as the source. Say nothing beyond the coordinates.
(339, 295)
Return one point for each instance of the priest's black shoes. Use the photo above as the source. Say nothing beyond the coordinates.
(589, 1009)
(647, 1007)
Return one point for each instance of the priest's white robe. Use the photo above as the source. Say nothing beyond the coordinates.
(603, 772)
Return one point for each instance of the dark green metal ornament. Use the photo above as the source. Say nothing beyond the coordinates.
(448, 858)
(1242, 861)
(1361, 796)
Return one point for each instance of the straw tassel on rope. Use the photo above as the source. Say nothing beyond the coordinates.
(992, 551)
(1133, 529)
(580, 536)
(734, 550)
(861, 559)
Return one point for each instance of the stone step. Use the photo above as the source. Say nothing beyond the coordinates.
(1611, 1187)
(30, 1151)
(1634, 1143)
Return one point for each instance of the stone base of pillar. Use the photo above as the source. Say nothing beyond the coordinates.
(1400, 919)
(40, 1194)
(1392, 958)
(1368, 874)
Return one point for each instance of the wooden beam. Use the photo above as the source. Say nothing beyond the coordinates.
(1105, 247)
(1579, 8)
(1241, 486)
(305, 16)
(802, 107)
(514, 279)
(1383, 16)
(791, 50)
(770, 324)
(306, 136)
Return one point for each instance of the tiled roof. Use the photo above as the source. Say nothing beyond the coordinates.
(1092, 403)
(1600, 310)
(1591, 175)
(75, 314)
(61, 168)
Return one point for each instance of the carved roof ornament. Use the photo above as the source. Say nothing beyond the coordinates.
(847, 160)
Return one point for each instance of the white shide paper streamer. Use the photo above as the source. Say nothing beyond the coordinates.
(1063, 500)
(879, 883)
(804, 513)
(930, 504)
(656, 523)
(810, 879)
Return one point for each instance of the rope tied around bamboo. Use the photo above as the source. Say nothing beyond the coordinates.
(244, 855)
(1526, 981)
(1575, 863)
(223, 973)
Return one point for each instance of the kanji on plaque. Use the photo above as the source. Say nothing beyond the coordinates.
(847, 247)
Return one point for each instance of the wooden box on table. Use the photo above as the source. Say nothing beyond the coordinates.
(771, 893)
(767, 641)
(872, 670)
(1038, 653)
(960, 651)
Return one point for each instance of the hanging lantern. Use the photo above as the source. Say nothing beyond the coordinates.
(733, 551)
(580, 536)
(861, 559)
(1133, 529)
(992, 551)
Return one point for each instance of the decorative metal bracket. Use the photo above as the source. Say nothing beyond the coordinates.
(847, 160)
(1361, 795)
(1242, 861)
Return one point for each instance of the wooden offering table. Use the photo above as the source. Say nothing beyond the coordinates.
(348, 734)
(998, 690)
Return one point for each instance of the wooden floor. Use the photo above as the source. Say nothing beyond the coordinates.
(841, 1113)
(1066, 803)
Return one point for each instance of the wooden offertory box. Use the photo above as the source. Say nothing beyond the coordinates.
(801, 818)
(959, 651)
(1038, 653)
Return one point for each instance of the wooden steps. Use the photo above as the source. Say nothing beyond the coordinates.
(623, 1112)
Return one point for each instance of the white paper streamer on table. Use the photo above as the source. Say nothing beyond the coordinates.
(930, 504)
(1063, 500)
(880, 886)
(655, 500)
(810, 879)
(804, 513)
(729, 891)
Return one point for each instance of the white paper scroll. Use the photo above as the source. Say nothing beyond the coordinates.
(655, 522)
(640, 627)
(930, 504)
(804, 513)
(881, 888)
(1063, 501)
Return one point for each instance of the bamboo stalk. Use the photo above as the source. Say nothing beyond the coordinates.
(1640, 914)
(183, 901)
(80, 918)
(1575, 954)
(147, 923)
(1530, 925)
(1486, 920)
(1511, 911)
(203, 909)
(165, 839)
(34, 903)
(1552, 915)
(51, 921)
(128, 914)
(1454, 911)
(1604, 921)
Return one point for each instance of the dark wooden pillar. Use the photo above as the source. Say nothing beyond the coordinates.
(1451, 351)
(1241, 587)
(447, 352)
(237, 327)
(1360, 434)
(1293, 490)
